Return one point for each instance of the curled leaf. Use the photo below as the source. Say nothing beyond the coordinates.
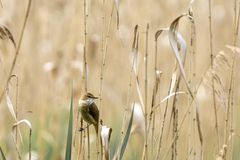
(28, 123)
(178, 43)
(157, 34)
(24, 121)
(10, 106)
(135, 50)
(138, 119)
(6, 34)
(105, 137)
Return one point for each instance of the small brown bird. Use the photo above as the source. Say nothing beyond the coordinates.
(89, 110)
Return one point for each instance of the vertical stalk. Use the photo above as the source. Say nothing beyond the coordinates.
(80, 142)
(104, 51)
(230, 107)
(236, 26)
(154, 99)
(163, 125)
(16, 107)
(175, 121)
(145, 91)
(30, 144)
(88, 142)
(213, 83)
(192, 81)
(84, 76)
(101, 78)
(157, 75)
(83, 149)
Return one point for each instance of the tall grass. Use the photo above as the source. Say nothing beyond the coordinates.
(170, 78)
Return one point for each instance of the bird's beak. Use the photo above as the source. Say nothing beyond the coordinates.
(95, 97)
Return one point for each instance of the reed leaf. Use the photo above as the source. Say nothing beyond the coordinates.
(3, 157)
(127, 135)
(68, 153)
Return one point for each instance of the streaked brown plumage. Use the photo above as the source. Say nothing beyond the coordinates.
(89, 110)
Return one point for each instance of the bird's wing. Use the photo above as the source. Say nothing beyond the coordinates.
(94, 112)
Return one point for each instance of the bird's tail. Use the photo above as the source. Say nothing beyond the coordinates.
(96, 128)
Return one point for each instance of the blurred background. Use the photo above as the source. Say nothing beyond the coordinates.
(51, 59)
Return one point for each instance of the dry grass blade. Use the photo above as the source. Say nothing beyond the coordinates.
(158, 33)
(135, 37)
(13, 113)
(154, 94)
(5, 33)
(23, 121)
(172, 94)
(130, 79)
(134, 63)
(28, 123)
(117, 7)
(10, 106)
(176, 40)
(173, 82)
(135, 49)
(168, 97)
(177, 45)
(155, 91)
(138, 90)
(105, 137)
(138, 119)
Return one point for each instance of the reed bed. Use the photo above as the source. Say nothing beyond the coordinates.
(165, 74)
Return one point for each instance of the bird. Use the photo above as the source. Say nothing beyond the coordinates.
(89, 110)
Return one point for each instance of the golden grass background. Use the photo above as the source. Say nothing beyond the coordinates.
(51, 58)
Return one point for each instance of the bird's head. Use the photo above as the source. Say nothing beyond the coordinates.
(87, 99)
